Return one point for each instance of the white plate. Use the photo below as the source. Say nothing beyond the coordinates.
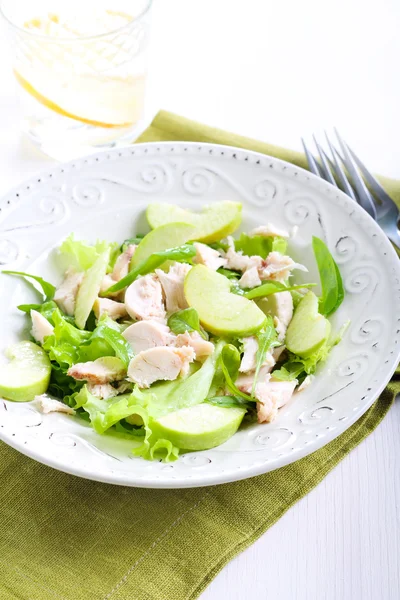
(104, 196)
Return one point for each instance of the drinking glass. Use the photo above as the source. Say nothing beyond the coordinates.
(81, 71)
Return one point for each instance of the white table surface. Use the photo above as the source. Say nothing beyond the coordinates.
(276, 71)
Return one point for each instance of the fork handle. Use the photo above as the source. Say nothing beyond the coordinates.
(394, 236)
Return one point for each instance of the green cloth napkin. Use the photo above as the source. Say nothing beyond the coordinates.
(65, 538)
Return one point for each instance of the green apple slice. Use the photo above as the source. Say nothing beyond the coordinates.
(220, 311)
(90, 288)
(308, 330)
(199, 427)
(27, 374)
(167, 236)
(216, 221)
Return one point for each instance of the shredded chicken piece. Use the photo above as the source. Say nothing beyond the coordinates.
(102, 390)
(278, 266)
(248, 362)
(238, 261)
(41, 328)
(144, 299)
(107, 282)
(172, 285)
(122, 263)
(269, 230)
(148, 334)
(115, 310)
(99, 371)
(66, 293)
(47, 405)
(163, 363)
(208, 257)
(250, 278)
(271, 396)
(202, 347)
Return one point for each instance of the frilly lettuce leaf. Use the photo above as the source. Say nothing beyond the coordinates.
(81, 256)
(151, 404)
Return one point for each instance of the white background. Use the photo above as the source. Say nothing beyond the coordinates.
(277, 70)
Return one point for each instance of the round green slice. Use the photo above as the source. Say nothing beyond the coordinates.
(27, 374)
(199, 427)
(90, 288)
(216, 221)
(308, 330)
(220, 311)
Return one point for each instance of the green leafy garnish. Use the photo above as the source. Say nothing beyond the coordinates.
(107, 335)
(229, 363)
(273, 287)
(229, 274)
(81, 256)
(179, 254)
(289, 371)
(186, 320)
(266, 339)
(331, 280)
(258, 245)
(230, 402)
(48, 289)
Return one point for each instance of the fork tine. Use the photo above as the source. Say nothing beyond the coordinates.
(364, 198)
(379, 191)
(339, 171)
(325, 165)
(312, 163)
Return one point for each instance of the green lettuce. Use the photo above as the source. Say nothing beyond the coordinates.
(150, 404)
(81, 256)
(258, 245)
(186, 320)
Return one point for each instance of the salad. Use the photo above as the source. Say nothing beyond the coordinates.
(175, 338)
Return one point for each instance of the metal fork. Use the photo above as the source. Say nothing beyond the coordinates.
(346, 171)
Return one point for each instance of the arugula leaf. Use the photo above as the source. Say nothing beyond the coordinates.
(230, 402)
(186, 320)
(180, 254)
(48, 289)
(230, 362)
(258, 245)
(229, 273)
(331, 280)
(109, 332)
(266, 339)
(46, 309)
(273, 287)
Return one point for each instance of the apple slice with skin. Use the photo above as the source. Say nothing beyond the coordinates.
(198, 427)
(27, 374)
(164, 237)
(308, 330)
(216, 221)
(220, 311)
(90, 288)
